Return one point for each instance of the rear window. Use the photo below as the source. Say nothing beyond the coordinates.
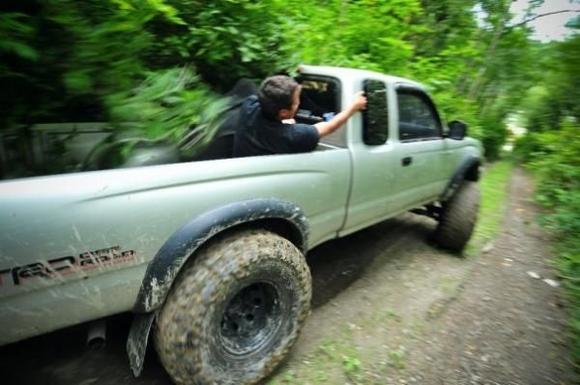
(320, 101)
(48, 149)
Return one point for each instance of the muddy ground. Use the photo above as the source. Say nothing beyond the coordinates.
(388, 308)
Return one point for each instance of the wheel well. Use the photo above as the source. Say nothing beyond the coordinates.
(278, 226)
(472, 173)
(151, 296)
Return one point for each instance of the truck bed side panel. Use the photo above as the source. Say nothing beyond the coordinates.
(62, 237)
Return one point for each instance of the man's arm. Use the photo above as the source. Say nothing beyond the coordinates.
(326, 128)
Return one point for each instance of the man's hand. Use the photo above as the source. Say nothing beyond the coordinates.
(359, 103)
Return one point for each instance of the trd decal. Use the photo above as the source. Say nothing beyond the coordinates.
(66, 265)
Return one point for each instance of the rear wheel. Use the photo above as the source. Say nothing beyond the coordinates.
(233, 314)
(458, 217)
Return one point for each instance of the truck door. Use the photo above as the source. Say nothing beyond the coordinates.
(373, 160)
(421, 175)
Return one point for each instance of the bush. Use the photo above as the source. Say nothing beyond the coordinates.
(166, 105)
(555, 155)
(527, 147)
(494, 134)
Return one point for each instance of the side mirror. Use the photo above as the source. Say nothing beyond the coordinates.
(457, 130)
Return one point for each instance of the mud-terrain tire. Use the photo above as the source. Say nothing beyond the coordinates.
(458, 218)
(233, 313)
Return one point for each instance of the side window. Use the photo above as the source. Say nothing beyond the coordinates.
(417, 117)
(376, 115)
(320, 101)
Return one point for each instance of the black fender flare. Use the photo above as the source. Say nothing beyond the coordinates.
(176, 251)
(468, 169)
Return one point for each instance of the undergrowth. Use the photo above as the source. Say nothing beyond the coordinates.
(554, 158)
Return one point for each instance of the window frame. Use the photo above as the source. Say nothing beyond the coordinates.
(421, 94)
(341, 134)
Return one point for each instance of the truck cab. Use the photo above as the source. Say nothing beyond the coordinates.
(402, 155)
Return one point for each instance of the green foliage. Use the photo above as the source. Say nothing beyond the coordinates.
(371, 34)
(494, 134)
(226, 40)
(555, 156)
(66, 60)
(540, 113)
(557, 163)
(351, 365)
(166, 106)
(528, 147)
(77, 54)
(19, 34)
(556, 96)
(83, 51)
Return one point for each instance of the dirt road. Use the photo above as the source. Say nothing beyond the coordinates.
(389, 308)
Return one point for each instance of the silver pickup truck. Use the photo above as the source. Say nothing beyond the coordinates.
(209, 254)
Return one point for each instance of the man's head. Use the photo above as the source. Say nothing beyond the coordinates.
(279, 97)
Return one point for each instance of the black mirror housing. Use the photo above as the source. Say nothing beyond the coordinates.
(376, 115)
(457, 130)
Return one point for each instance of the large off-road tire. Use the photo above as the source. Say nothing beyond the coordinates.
(458, 218)
(233, 313)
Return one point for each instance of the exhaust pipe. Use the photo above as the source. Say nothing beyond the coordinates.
(97, 335)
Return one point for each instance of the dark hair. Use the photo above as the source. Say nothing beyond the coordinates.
(275, 94)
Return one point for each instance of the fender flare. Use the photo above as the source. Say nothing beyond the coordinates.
(176, 251)
(468, 169)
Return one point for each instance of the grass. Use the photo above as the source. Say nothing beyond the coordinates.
(397, 358)
(493, 202)
(339, 360)
(449, 285)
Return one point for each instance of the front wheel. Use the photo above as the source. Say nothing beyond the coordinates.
(458, 217)
(233, 314)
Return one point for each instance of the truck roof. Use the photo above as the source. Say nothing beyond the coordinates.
(343, 72)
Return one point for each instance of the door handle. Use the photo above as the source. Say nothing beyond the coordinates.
(406, 161)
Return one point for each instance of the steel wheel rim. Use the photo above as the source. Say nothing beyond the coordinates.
(250, 319)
